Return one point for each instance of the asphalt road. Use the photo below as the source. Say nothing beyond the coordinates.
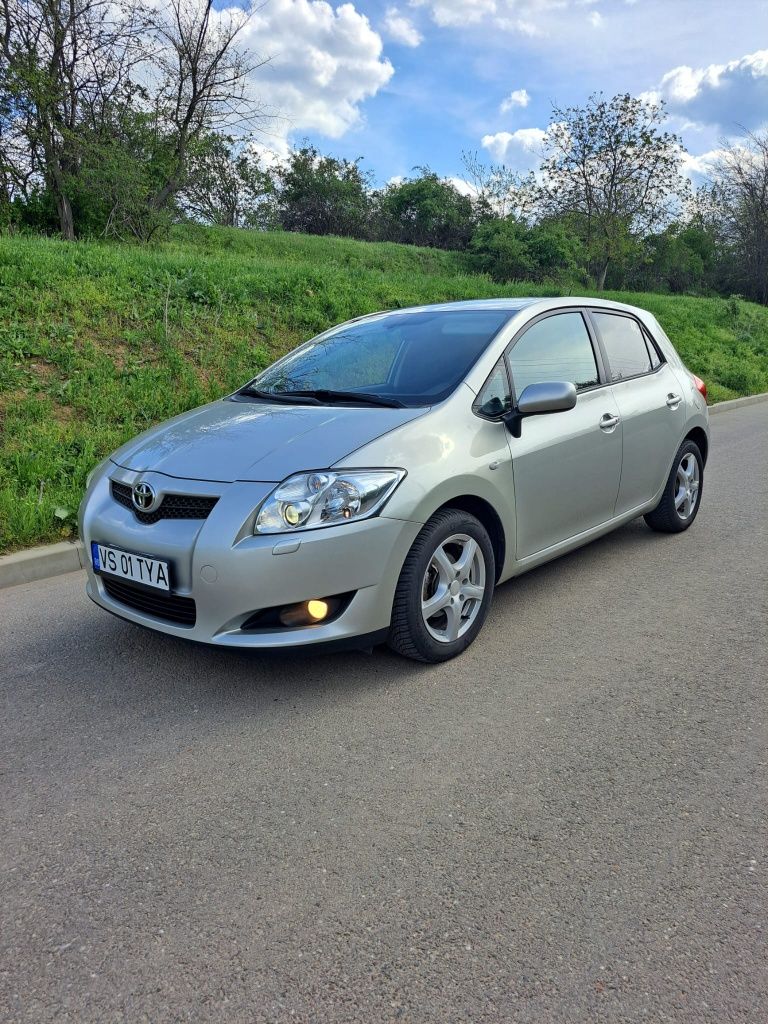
(567, 824)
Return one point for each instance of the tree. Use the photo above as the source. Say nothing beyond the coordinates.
(323, 195)
(64, 66)
(203, 81)
(103, 103)
(739, 194)
(426, 211)
(681, 258)
(612, 169)
(228, 185)
(500, 191)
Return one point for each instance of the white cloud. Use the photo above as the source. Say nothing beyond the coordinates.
(517, 98)
(725, 95)
(527, 17)
(520, 150)
(595, 19)
(463, 187)
(324, 63)
(697, 167)
(457, 12)
(400, 28)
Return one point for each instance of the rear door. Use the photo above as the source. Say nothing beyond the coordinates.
(650, 403)
(566, 465)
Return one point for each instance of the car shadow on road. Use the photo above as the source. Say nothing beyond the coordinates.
(111, 659)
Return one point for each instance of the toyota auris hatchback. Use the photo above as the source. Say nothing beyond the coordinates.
(379, 481)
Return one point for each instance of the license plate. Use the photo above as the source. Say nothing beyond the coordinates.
(150, 571)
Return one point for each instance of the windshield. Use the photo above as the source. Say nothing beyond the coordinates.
(411, 359)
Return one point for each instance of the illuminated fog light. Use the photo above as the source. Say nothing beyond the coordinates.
(317, 610)
(308, 612)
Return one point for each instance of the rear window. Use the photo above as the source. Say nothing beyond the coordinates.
(624, 344)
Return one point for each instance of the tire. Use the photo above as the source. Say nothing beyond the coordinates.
(444, 575)
(670, 515)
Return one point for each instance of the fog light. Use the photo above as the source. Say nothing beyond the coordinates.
(317, 610)
(308, 612)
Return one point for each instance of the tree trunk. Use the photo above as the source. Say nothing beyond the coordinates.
(66, 220)
(601, 276)
(55, 176)
(164, 195)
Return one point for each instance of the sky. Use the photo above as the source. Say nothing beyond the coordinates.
(416, 82)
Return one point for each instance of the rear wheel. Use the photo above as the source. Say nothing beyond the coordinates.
(445, 588)
(681, 499)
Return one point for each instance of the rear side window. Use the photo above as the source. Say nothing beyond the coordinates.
(557, 348)
(624, 344)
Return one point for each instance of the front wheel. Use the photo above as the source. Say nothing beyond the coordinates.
(445, 588)
(682, 495)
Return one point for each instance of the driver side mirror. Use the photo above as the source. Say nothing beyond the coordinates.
(536, 399)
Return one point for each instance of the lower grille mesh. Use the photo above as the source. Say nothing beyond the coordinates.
(149, 601)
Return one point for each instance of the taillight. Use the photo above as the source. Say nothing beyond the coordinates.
(701, 387)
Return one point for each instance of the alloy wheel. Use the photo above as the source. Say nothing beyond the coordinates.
(453, 588)
(687, 484)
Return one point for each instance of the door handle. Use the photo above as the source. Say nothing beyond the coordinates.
(608, 422)
(673, 400)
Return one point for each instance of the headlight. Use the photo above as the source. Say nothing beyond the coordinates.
(307, 501)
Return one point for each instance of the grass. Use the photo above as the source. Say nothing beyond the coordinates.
(98, 341)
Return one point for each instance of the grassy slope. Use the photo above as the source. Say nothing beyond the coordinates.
(99, 341)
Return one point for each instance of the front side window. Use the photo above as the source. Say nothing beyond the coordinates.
(557, 348)
(413, 359)
(624, 345)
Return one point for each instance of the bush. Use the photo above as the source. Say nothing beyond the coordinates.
(511, 250)
(425, 211)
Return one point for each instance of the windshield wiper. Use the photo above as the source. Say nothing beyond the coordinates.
(326, 395)
(287, 397)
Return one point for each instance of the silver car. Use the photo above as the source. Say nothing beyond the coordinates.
(377, 482)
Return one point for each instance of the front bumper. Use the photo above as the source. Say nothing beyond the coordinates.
(230, 573)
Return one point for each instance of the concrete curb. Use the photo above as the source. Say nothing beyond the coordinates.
(734, 403)
(55, 559)
(41, 562)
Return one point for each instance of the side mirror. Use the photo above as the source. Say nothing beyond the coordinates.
(536, 399)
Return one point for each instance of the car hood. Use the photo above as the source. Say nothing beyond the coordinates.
(232, 440)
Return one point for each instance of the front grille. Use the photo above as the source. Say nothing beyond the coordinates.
(150, 601)
(173, 506)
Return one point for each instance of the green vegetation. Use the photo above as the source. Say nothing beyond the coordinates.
(98, 341)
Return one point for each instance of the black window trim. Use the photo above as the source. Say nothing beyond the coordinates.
(646, 335)
(597, 352)
(601, 359)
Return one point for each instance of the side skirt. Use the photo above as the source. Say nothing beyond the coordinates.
(563, 547)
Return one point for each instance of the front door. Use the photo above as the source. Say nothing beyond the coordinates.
(566, 465)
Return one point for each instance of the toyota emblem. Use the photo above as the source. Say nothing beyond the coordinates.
(143, 496)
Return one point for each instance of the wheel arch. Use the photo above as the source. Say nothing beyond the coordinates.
(488, 516)
(699, 437)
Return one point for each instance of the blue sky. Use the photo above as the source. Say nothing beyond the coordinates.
(415, 82)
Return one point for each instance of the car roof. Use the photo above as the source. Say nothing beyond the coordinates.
(516, 304)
